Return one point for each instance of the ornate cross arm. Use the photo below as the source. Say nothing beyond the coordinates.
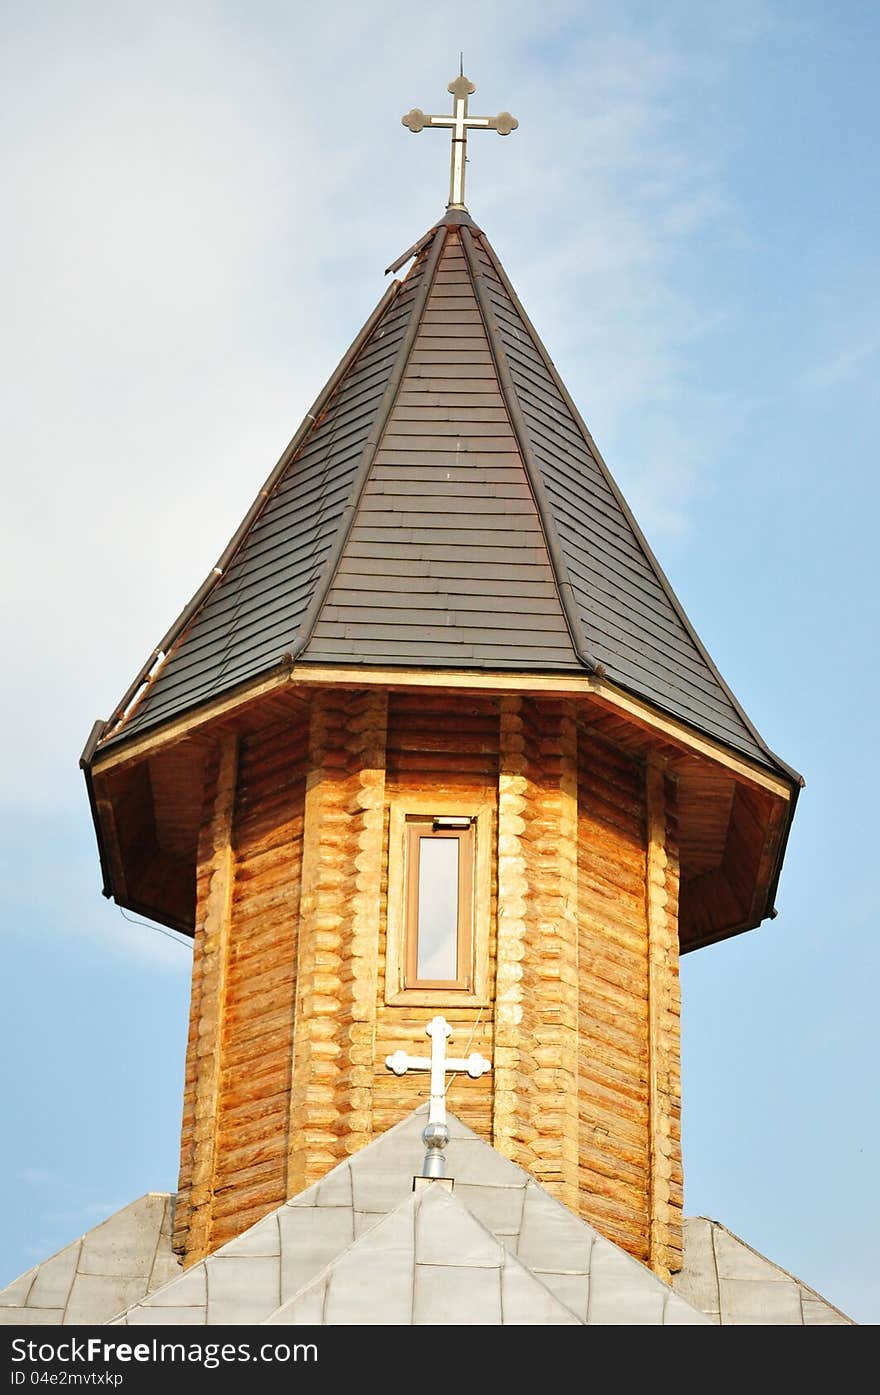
(436, 1133)
(460, 123)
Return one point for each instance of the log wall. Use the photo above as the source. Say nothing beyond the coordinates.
(664, 1025)
(331, 1093)
(192, 1215)
(613, 999)
(290, 1025)
(250, 1177)
(536, 1059)
(244, 975)
(449, 749)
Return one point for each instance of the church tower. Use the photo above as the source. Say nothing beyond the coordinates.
(436, 737)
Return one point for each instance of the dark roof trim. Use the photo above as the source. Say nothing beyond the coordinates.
(85, 765)
(371, 445)
(625, 510)
(411, 252)
(770, 911)
(533, 470)
(141, 683)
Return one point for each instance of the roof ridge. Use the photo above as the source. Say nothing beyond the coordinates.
(710, 1220)
(436, 1196)
(371, 445)
(532, 469)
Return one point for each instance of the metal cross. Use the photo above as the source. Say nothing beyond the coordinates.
(460, 123)
(436, 1133)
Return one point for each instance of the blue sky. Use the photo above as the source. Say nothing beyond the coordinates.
(200, 201)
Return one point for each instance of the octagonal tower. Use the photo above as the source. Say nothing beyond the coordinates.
(436, 735)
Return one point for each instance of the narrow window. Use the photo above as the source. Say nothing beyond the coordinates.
(439, 906)
(439, 912)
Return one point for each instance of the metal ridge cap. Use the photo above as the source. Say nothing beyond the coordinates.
(532, 468)
(368, 454)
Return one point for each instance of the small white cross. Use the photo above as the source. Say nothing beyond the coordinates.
(460, 123)
(436, 1133)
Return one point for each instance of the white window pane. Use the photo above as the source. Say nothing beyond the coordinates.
(437, 953)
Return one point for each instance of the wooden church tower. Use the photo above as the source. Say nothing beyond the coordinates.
(435, 735)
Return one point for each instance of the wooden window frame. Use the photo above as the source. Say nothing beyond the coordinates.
(418, 827)
(408, 820)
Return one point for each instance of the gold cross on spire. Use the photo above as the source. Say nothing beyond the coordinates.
(460, 123)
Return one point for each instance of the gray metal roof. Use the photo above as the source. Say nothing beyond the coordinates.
(360, 1247)
(110, 1267)
(737, 1286)
(357, 1247)
(443, 506)
(428, 1262)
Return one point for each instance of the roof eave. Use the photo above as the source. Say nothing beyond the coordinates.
(85, 765)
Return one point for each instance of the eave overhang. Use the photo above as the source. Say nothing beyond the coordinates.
(124, 774)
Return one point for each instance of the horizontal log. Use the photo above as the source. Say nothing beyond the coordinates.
(275, 962)
(629, 977)
(259, 1090)
(269, 1112)
(625, 1072)
(617, 1157)
(612, 1221)
(625, 1038)
(271, 803)
(247, 1030)
(606, 1104)
(612, 941)
(601, 997)
(244, 1098)
(259, 1189)
(624, 1094)
(596, 1111)
(597, 927)
(606, 821)
(245, 1013)
(631, 1201)
(222, 1231)
(238, 1155)
(269, 858)
(255, 952)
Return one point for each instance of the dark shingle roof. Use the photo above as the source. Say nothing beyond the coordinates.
(444, 507)
(446, 564)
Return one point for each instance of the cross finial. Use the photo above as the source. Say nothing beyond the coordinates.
(460, 123)
(435, 1135)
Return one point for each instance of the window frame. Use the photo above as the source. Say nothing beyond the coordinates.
(418, 827)
(407, 819)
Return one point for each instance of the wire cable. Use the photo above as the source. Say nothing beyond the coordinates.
(148, 925)
(454, 1077)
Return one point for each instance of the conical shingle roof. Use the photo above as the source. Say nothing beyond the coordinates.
(442, 507)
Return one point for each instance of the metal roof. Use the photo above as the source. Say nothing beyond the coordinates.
(443, 506)
(357, 1247)
(349, 1248)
